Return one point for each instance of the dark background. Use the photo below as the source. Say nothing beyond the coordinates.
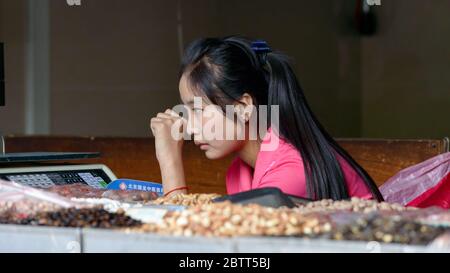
(104, 68)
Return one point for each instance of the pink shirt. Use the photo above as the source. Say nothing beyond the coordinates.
(282, 168)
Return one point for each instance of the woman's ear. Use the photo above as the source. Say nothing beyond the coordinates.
(246, 100)
(246, 107)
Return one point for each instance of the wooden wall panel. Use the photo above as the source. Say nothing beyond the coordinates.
(135, 157)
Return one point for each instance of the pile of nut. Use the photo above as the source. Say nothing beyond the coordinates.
(226, 219)
(86, 217)
(186, 199)
(392, 229)
(353, 205)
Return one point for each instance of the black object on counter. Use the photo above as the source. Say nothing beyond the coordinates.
(268, 197)
(44, 156)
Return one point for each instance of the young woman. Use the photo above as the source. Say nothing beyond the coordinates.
(307, 162)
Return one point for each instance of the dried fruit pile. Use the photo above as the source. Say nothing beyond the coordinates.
(86, 217)
(354, 219)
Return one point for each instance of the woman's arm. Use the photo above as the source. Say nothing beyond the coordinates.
(167, 129)
(172, 174)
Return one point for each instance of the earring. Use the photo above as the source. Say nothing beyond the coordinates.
(246, 118)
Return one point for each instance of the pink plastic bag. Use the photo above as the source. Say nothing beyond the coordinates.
(423, 185)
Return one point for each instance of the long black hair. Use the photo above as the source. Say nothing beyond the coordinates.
(223, 69)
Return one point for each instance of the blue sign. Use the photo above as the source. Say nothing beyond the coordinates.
(135, 185)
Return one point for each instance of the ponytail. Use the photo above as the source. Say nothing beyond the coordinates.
(300, 127)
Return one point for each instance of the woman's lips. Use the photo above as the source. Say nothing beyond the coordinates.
(203, 146)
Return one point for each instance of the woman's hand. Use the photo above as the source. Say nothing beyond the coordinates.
(167, 129)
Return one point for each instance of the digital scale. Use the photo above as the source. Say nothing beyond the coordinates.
(30, 169)
(21, 168)
(95, 175)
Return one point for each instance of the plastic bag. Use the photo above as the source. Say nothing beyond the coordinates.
(423, 185)
(86, 191)
(130, 196)
(77, 191)
(19, 201)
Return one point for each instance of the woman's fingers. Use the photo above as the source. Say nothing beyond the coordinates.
(172, 113)
(173, 116)
(164, 115)
(170, 122)
(169, 114)
(153, 121)
(167, 119)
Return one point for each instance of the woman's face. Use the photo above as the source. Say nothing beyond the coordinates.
(212, 131)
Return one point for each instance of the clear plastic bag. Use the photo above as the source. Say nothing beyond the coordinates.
(130, 196)
(77, 191)
(86, 191)
(18, 201)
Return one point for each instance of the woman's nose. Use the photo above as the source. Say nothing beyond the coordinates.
(192, 127)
